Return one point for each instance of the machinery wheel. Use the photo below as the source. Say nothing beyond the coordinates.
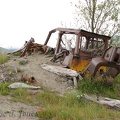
(104, 77)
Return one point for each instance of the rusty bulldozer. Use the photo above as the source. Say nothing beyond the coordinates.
(88, 54)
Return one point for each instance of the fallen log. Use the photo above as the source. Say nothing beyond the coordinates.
(113, 103)
(62, 72)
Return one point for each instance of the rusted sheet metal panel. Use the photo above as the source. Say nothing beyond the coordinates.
(79, 64)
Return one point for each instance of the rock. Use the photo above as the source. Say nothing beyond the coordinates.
(22, 85)
(23, 62)
(70, 82)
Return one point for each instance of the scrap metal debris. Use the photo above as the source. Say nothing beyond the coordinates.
(110, 59)
(87, 45)
(30, 47)
(27, 46)
(89, 54)
(28, 79)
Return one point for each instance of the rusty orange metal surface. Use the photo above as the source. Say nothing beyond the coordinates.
(79, 64)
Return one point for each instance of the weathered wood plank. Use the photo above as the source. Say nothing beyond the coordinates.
(114, 103)
(63, 72)
(75, 82)
(60, 70)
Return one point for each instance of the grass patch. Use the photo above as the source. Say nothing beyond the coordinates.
(117, 79)
(4, 90)
(3, 58)
(21, 95)
(73, 108)
(55, 107)
(90, 87)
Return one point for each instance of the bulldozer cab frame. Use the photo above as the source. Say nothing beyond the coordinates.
(87, 46)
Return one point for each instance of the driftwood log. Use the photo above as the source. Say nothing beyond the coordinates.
(62, 72)
(113, 103)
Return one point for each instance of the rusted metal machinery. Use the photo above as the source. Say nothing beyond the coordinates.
(27, 46)
(87, 46)
(110, 59)
(88, 56)
(30, 47)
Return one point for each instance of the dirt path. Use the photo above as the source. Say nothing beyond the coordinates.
(16, 110)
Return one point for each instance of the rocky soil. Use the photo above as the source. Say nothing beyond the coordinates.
(30, 66)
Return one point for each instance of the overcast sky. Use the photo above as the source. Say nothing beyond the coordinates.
(22, 19)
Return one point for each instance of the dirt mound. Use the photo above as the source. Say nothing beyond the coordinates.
(30, 66)
(33, 68)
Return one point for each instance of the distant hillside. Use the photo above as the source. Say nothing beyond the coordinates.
(3, 49)
(11, 50)
(7, 50)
